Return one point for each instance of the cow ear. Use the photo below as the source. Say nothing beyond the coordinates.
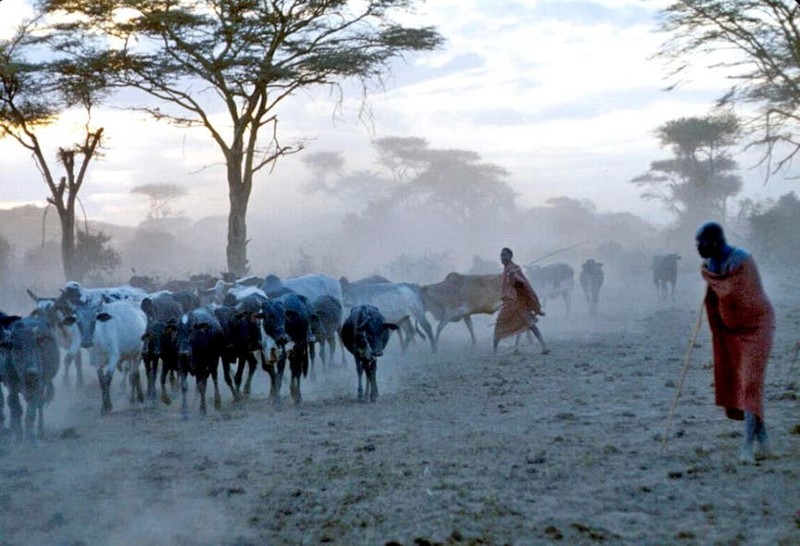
(69, 321)
(390, 326)
(32, 295)
(147, 306)
(103, 317)
(145, 336)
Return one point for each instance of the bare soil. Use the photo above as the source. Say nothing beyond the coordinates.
(462, 447)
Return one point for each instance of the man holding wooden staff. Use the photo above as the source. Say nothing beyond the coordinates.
(742, 324)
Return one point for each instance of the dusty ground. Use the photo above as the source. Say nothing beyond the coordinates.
(461, 448)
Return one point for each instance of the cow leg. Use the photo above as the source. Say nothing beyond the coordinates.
(184, 377)
(226, 373)
(426, 327)
(202, 383)
(79, 368)
(252, 365)
(164, 373)
(373, 380)
(280, 369)
(31, 403)
(296, 360)
(538, 334)
(150, 372)
(105, 387)
(2, 411)
(567, 300)
(15, 411)
(439, 328)
(69, 356)
(217, 397)
(136, 381)
(468, 322)
(312, 356)
(359, 371)
(240, 366)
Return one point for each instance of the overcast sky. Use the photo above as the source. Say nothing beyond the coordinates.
(562, 94)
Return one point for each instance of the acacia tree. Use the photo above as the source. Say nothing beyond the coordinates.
(33, 94)
(244, 58)
(755, 43)
(456, 182)
(698, 180)
(161, 197)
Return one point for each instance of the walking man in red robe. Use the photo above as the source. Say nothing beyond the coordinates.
(520, 304)
(742, 325)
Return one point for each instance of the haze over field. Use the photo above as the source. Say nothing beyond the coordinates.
(564, 95)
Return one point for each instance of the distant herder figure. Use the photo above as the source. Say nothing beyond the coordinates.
(742, 325)
(520, 304)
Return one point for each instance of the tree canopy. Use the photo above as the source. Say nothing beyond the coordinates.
(697, 182)
(755, 44)
(411, 173)
(240, 57)
(38, 83)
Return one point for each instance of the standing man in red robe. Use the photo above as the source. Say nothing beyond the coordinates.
(520, 304)
(742, 324)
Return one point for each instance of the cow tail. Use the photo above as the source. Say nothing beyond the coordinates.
(420, 332)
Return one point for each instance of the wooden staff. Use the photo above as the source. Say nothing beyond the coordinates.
(683, 373)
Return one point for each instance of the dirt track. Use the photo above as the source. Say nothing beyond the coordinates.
(461, 448)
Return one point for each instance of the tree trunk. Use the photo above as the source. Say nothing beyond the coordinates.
(68, 257)
(237, 233)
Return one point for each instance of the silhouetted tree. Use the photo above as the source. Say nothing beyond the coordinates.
(323, 165)
(698, 180)
(773, 231)
(5, 254)
(758, 45)
(34, 92)
(456, 182)
(160, 196)
(245, 58)
(94, 255)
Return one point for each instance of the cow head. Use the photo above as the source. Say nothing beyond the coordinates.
(86, 317)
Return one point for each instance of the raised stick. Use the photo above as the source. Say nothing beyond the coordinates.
(683, 373)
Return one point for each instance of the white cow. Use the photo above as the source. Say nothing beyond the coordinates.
(74, 294)
(113, 331)
(399, 303)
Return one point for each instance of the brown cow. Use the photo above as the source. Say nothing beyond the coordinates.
(458, 297)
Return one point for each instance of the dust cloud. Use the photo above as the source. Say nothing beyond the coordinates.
(461, 446)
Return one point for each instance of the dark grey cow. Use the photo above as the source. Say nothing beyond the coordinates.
(199, 349)
(285, 319)
(365, 335)
(399, 303)
(665, 272)
(591, 280)
(68, 337)
(553, 281)
(29, 361)
(160, 343)
(241, 328)
(326, 320)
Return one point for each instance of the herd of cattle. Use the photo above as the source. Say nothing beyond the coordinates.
(187, 328)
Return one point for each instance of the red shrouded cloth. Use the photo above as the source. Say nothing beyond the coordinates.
(742, 325)
(520, 304)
